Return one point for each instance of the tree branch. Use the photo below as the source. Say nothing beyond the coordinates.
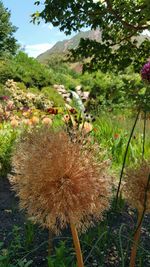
(120, 18)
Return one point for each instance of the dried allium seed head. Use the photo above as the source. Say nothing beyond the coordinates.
(135, 186)
(58, 182)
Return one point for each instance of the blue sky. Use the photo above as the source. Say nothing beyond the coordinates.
(35, 38)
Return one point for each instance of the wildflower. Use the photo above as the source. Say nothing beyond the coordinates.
(25, 108)
(58, 182)
(14, 123)
(53, 111)
(66, 118)
(5, 97)
(72, 111)
(10, 105)
(7, 114)
(116, 136)
(47, 121)
(26, 114)
(86, 127)
(34, 120)
(27, 122)
(145, 72)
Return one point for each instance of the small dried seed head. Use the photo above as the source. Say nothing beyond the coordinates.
(136, 184)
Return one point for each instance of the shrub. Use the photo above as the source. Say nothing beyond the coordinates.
(7, 139)
(53, 96)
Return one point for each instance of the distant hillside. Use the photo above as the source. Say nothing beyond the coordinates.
(64, 46)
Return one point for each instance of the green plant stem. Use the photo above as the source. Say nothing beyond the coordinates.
(93, 247)
(125, 157)
(77, 245)
(144, 134)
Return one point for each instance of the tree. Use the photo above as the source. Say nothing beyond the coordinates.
(8, 43)
(121, 22)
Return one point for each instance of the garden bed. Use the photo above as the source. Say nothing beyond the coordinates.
(107, 244)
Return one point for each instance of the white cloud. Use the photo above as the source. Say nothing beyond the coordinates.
(48, 26)
(37, 49)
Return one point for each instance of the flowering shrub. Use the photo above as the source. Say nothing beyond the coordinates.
(23, 108)
(26, 99)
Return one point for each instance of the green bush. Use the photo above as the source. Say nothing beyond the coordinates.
(6, 71)
(53, 96)
(22, 86)
(30, 71)
(22, 68)
(2, 90)
(7, 139)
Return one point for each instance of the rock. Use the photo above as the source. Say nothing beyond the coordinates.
(78, 87)
(85, 95)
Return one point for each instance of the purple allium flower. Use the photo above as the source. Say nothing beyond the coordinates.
(145, 72)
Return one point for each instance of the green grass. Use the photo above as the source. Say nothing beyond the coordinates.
(112, 133)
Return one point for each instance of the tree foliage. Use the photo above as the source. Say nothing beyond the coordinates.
(121, 22)
(25, 69)
(8, 43)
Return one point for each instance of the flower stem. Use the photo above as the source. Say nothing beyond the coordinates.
(125, 156)
(77, 245)
(137, 233)
(136, 240)
(144, 133)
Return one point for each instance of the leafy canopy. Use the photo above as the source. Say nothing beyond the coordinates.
(8, 43)
(121, 23)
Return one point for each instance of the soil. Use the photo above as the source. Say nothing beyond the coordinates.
(11, 216)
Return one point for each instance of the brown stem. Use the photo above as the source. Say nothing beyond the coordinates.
(136, 240)
(77, 245)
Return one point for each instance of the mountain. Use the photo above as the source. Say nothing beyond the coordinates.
(62, 47)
